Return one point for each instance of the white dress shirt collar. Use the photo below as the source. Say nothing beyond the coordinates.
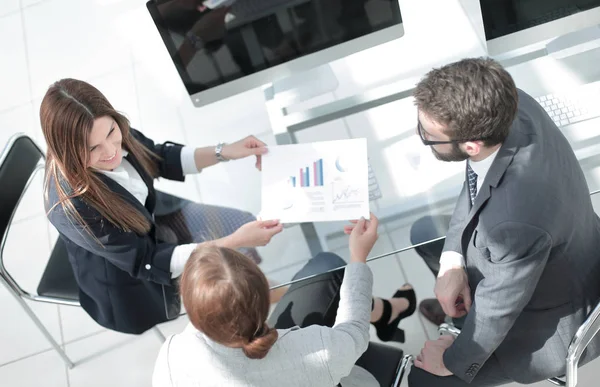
(127, 176)
(482, 167)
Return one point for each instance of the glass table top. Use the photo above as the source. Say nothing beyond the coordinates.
(411, 182)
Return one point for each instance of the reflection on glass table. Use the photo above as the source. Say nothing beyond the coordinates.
(308, 272)
(406, 180)
(412, 183)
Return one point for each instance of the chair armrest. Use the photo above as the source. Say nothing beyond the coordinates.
(557, 381)
(448, 329)
(406, 361)
(584, 335)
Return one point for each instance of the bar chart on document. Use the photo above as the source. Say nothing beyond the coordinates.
(323, 181)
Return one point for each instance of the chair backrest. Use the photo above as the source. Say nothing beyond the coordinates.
(583, 337)
(18, 162)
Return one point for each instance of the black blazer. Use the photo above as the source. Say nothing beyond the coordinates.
(125, 283)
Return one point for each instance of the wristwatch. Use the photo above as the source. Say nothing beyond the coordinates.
(219, 152)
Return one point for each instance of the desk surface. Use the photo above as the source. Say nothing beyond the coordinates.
(412, 182)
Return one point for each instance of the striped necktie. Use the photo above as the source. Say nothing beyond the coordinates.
(472, 177)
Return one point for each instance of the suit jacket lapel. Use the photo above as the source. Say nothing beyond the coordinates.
(146, 209)
(492, 179)
(151, 200)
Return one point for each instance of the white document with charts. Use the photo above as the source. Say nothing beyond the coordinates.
(322, 181)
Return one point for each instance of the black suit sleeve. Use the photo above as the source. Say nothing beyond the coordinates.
(139, 255)
(169, 164)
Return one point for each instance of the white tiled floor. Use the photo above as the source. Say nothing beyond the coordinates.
(46, 368)
(13, 73)
(23, 115)
(110, 359)
(114, 45)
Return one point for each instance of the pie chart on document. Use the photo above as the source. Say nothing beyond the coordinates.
(288, 198)
(343, 163)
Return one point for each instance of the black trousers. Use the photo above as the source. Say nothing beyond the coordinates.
(315, 300)
(312, 301)
(426, 229)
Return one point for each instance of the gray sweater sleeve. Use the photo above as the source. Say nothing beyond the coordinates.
(349, 337)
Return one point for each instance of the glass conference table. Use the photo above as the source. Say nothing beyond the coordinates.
(410, 182)
(406, 183)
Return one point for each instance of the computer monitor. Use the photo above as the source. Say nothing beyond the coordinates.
(224, 47)
(518, 26)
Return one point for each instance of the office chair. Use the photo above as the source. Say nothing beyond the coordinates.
(584, 335)
(20, 162)
(385, 363)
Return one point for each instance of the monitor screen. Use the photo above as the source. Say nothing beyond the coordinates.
(504, 17)
(216, 42)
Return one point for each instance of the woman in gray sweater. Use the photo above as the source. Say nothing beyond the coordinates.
(230, 343)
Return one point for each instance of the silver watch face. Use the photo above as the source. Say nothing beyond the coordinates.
(218, 151)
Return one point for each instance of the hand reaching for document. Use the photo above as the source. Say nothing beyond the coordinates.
(256, 233)
(363, 235)
(249, 146)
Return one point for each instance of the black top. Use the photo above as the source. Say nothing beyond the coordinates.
(125, 283)
(211, 47)
(503, 17)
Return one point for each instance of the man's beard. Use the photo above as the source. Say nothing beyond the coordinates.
(456, 154)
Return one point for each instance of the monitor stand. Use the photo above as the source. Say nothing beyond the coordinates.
(305, 85)
(575, 42)
(279, 96)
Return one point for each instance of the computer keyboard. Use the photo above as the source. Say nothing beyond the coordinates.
(374, 191)
(575, 105)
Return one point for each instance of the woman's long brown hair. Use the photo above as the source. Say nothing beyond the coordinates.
(67, 115)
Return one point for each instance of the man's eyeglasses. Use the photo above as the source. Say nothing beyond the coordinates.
(423, 134)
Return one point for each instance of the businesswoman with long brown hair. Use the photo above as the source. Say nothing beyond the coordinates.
(127, 242)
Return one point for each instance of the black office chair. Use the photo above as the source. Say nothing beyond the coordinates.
(385, 363)
(20, 162)
(584, 335)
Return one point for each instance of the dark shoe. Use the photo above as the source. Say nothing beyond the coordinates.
(391, 332)
(432, 310)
